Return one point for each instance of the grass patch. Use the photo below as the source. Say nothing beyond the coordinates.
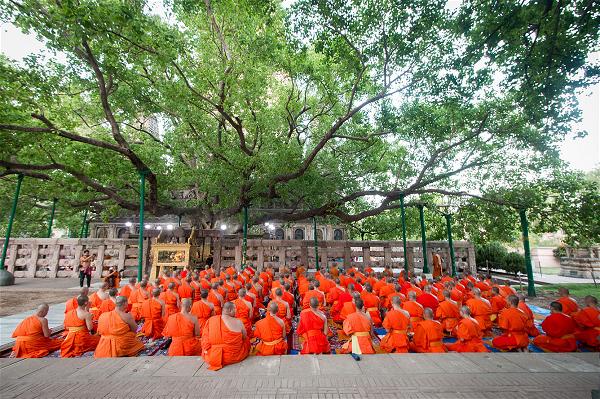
(578, 290)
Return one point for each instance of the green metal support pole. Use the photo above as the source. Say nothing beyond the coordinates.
(86, 232)
(6, 277)
(450, 243)
(178, 220)
(528, 265)
(403, 218)
(245, 238)
(423, 239)
(316, 244)
(82, 231)
(51, 219)
(140, 272)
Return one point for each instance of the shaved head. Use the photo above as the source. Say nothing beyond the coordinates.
(513, 300)
(314, 302)
(42, 310)
(186, 303)
(274, 308)
(396, 300)
(121, 302)
(229, 309)
(465, 311)
(156, 292)
(412, 296)
(428, 314)
(82, 300)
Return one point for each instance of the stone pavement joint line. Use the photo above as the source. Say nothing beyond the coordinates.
(474, 375)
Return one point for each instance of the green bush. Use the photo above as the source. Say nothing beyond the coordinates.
(559, 252)
(491, 253)
(514, 262)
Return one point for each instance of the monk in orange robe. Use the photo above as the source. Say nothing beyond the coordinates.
(468, 334)
(349, 307)
(154, 314)
(184, 330)
(359, 326)
(514, 324)
(72, 303)
(437, 266)
(78, 323)
(396, 323)
(480, 310)
(203, 309)
(531, 328)
(448, 313)
(272, 332)
(414, 309)
(96, 300)
(215, 297)
(428, 335)
(117, 330)
(497, 302)
(244, 311)
(371, 302)
(560, 331)
(108, 305)
(569, 304)
(136, 298)
(506, 290)
(128, 289)
(32, 336)
(171, 299)
(313, 328)
(284, 311)
(588, 323)
(185, 290)
(224, 339)
(313, 292)
(427, 299)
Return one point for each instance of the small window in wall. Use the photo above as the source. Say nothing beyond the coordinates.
(102, 232)
(122, 232)
(338, 235)
(279, 234)
(299, 234)
(319, 234)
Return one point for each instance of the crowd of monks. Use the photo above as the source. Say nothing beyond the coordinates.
(217, 315)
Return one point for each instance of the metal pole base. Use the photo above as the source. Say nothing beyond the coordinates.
(6, 278)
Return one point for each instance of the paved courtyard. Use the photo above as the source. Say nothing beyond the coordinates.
(509, 375)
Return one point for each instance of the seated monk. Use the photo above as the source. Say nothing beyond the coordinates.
(184, 330)
(137, 297)
(313, 328)
(284, 312)
(532, 330)
(468, 334)
(359, 326)
(498, 304)
(271, 332)
(560, 331)
(343, 297)
(313, 292)
(569, 304)
(244, 311)
(78, 323)
(129, 288)
(117, 333)
(514, 324)
(108, 305)
(427, 299)
(171, 299)
(371, 302)
(349, 307)
(185, 290)
(154, 314)
(448, 313)
(224, 339)
(32, 336)
(414, 309)
(428, 335)
(588, 323)
(96, 300)
(480, 310)
(203, 309)
(396, 323)
(215, 297)
(72, 303)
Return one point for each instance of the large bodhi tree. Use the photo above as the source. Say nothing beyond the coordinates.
(319, 108)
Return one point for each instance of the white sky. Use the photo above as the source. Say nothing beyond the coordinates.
(580, 153)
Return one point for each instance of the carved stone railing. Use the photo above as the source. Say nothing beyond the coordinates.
(581, 262)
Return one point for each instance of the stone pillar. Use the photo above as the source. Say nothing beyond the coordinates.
(121, 261)
(304, 254)
(282, 257)
(99, 262)
(387, 254)
(410, 255)
(78, 250)
(217, 256)
(145, 268)
(366, 256)
(347, 255)
(323, 254)
(12, 259)
(54, 259)
(238, 254)
(260, 258)
(471, 259)
(33, 257)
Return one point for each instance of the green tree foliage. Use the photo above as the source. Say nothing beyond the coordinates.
(494, 255)
(332, 109)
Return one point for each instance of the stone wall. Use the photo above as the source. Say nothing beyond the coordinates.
(581, 262)
(379, 253)
(59, 257)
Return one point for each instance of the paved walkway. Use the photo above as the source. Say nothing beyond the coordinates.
(452, 375)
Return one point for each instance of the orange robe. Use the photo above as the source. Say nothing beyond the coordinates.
(428, 300)
(106, 306)
(30, 340)
(416, 312)
(588, 323)
(272, 336)
(560, 334)
(220, 346)
(126, 291)
(428, 337)
(347, 309)
(481, 311)
(310, 328)
(514, 323)
(214, 299)
(95, 303)
(358, 326)
(153, 320)
(170, 301)
(202, 311)
(531, 328)
(569, 306)
(282, 313)
(242, 312)
(71, 304)
(184, 290)
(136, 298)
(448, 314)
(468, 336)
(396, 324)
(371, 302)
(78, 340)
(313, 294)
(184, 342)
(116, 340)
(498, 303)
(437, 266)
